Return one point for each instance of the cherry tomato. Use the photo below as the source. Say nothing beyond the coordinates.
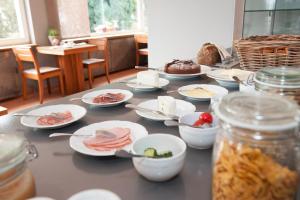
(206, 118)
(198, 123)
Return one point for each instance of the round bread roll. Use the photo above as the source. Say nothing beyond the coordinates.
(208, 55)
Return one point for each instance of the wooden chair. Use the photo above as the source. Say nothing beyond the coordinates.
(91, 63)
(140, 39)
(38, 73)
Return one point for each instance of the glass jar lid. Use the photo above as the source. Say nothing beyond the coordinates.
(283, 76)
(258, 111)
(12, 151)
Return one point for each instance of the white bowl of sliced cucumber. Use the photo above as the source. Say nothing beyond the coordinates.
(165, 156)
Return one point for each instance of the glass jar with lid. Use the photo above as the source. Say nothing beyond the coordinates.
(282, 80)
(256, 149)
(16, 180)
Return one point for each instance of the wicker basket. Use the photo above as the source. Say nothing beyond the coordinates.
(256, 52)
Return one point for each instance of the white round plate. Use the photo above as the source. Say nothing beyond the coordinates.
(228, 84)
(162, 83)
(76, 142)
(224, 76)
(217, 90)
(95, 194)
(40, 198)
(182, 108)
(77, 111)
(88, 98)
(204, 69)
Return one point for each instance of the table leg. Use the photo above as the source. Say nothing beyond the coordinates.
(79, 72)
(73, 73)
(65, 63)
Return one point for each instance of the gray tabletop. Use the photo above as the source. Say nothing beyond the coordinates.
(60, 172)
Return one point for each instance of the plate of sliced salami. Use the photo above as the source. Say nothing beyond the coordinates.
(55, 116)
(107, 97)
(104, 138)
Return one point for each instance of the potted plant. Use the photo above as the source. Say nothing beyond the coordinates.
(53, 36)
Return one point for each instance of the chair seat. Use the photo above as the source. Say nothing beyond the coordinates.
(3, 111)
(42, 70)
(143, 51)
(92, 61)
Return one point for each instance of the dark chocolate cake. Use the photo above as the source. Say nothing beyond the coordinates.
(182, 67)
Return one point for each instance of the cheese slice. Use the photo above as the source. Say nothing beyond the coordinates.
(149, 77)
(167, 105)
(199, 93)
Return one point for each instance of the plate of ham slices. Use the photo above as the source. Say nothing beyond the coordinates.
(104, 138)
(55, 116)
(107, 97)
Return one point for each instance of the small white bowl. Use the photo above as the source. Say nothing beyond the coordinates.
(95, 194)
(198, 138)
(159, 169)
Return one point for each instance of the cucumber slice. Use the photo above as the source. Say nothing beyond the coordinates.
(150, 152)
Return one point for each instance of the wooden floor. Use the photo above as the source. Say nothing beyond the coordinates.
(18, 103)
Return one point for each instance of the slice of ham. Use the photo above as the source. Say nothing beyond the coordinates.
(55, 118)
(103, 143)
(108, 98)
(120, 146)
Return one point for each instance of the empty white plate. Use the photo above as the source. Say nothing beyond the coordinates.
(88, 98)
(214, 89)
(76, 142)
(132, 83)
(77, 112)
(182, 108)
(95, 194)
(204, 69)
(224, 76)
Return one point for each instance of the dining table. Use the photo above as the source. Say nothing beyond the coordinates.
(70, 61)
(60, 172)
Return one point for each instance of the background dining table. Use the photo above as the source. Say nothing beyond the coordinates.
(60, 172)
(70, 61)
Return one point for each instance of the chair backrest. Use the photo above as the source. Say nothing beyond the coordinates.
(26, 54)
(102, 45)
(141, 38)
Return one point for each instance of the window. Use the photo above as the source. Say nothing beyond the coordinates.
(13, 24)
(116, 15)
(266, 17)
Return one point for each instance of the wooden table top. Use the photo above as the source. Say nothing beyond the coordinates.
(61, 51)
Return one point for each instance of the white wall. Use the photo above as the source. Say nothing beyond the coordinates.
(178, 28)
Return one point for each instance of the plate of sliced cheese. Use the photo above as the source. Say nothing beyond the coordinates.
(202, 92)
(167, 105)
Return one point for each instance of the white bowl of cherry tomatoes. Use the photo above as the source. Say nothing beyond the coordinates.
(202, 130)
